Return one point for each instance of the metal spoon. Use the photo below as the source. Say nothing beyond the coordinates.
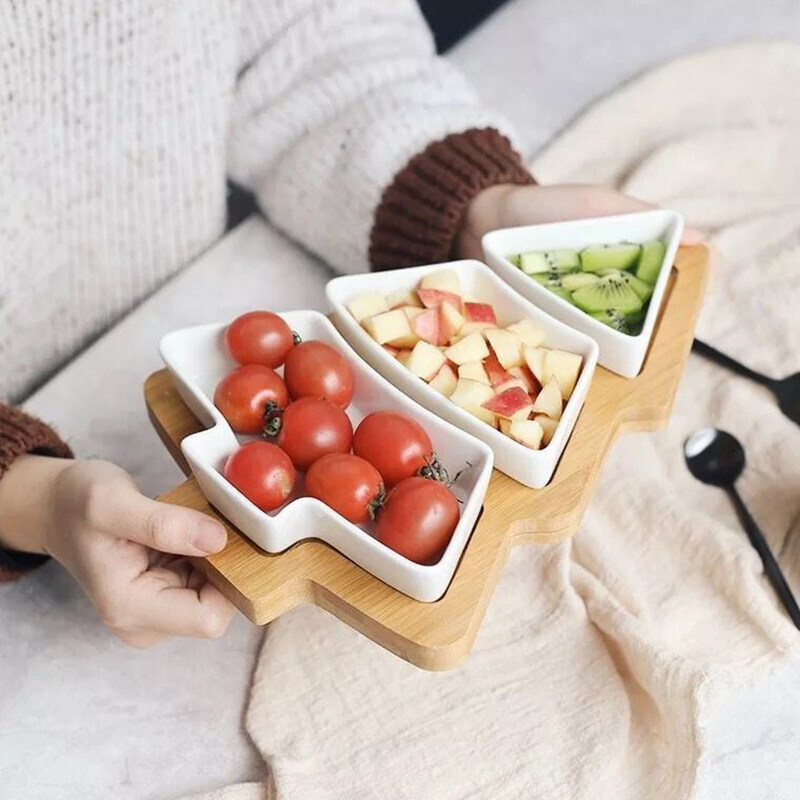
(717, 458)
(786, 390)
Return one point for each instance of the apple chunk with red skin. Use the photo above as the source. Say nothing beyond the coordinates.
(450, 323)
(426, 325)
(513, 403)
(479, 312)
(433, 298)
(391, 327)
(471, 395)
(495, 370)
(532, 386)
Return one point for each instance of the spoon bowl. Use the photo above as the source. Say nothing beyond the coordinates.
(714, 457)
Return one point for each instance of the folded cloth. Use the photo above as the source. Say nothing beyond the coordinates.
(602, 660)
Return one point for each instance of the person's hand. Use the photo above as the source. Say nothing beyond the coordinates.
(506, 206)
(126, 551)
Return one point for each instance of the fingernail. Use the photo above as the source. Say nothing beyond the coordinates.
(210, 537)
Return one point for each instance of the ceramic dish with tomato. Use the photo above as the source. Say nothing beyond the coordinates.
(199, 359)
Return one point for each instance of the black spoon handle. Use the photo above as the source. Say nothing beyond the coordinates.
(711, 353)
(771, 566)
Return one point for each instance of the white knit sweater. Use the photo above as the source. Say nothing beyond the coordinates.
(119, 120)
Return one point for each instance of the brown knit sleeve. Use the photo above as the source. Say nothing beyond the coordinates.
(420, 212)
(20, 434)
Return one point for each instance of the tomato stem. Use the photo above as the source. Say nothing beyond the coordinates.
(377, 503)
(296, 337)
(272, 419)
(434, 470)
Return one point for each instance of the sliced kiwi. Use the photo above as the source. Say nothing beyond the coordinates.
(609, 292)
(613, 319)
(515, 260)
(609, 256)
(549, 261)
(577, 280)
(642, 289)
(552, 281)
(650, 261)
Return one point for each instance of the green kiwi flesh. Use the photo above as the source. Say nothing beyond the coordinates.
(609, 292)
(613, 256)
(577, 280)
(613, 319)
(650, 261)
(642, 289)
(549, 261)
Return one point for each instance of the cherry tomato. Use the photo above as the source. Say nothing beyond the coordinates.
(242, 396)
(418, 519)
(348, 484)
(315, 369)
(311, 428)
(259, 337)
(395, 445)
(263, 473)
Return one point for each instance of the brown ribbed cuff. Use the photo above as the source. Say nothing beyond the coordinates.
(421, 211)
(20, 434)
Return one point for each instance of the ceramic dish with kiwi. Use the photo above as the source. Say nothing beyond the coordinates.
(612, 283)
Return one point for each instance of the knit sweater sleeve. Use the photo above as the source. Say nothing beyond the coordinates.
(20, 434)
(357, 139)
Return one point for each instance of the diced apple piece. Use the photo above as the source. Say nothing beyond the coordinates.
(445, 280)
(549, 401)
(473, 327)
(403, 356)
(412, 312)
(470, 348)
(367, 305)
(495, 371)
(392, 351)
(505, 426)
(474, 371)
(548, 428)
(531, 383)
(506, 345)
(403, 297)
(426, 325)
(564, 367)
(513, 403)
(391, 327)
(527, 431)
(534, 358)
(450, 323)
(425, 360)
(433, 298)
(479, 312)
(511, 383)
(530, 333)
(471, 395)
(444, 381)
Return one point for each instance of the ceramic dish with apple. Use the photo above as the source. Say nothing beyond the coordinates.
(463, 343)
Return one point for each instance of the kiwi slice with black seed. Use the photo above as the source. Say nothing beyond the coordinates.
(543, 261)
(552, 281)
(642, 289)
(613, 319)
(609, 292)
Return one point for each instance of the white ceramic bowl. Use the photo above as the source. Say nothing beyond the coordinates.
(198, 360)
(619, 352)
(531, 467)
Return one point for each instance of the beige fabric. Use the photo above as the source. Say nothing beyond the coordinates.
(601, 660)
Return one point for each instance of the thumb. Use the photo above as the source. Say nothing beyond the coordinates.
(167, 528)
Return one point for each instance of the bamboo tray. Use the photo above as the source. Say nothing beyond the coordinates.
(437, 636)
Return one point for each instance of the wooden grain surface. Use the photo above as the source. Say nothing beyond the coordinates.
(439, 635)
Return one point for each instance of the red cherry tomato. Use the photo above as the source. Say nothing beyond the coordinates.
(242, 396)
(395, 445)
(263, 473)
(346, 483)
(259, 337)
(311, 428)
(315, 369)
(418, 519)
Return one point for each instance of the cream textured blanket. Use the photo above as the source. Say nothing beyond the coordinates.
(602, 660)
